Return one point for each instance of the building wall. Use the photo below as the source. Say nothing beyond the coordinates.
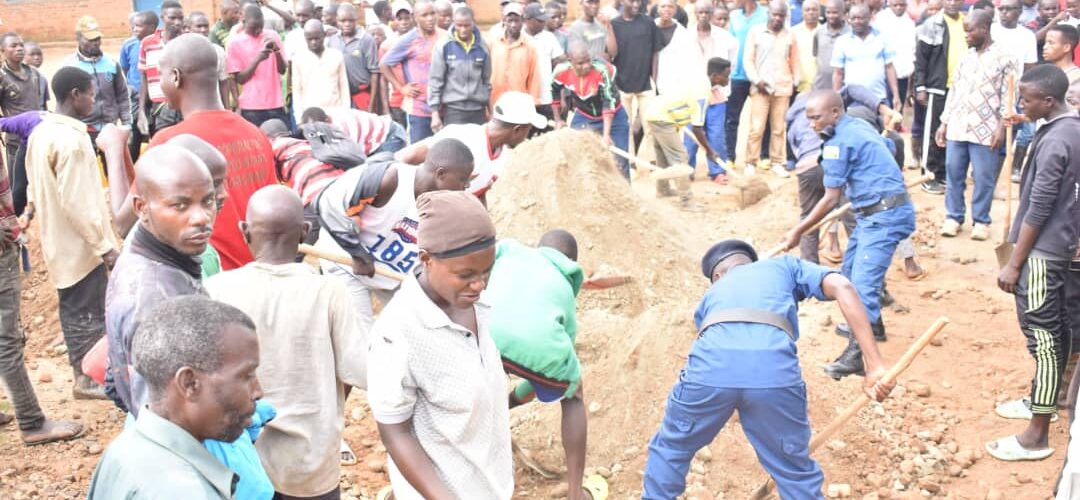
(54, 20)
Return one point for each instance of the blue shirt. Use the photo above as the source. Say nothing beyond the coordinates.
(804, 140)
(863, 60)
(754, 355)
(740, 26)
(129, 62)
(858, 159)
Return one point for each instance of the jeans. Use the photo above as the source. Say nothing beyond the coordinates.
(870, 251)
(984, 162)
(419, 128)
(774, 420)
(620, 133)
(259, 116)
(715, 118)
(740, 90)
(12, 344)
(82, 314)
(396, 140)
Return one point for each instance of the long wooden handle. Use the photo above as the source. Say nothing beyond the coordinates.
(1010, 97)
(346, 260)
(890, 376)
(836, 213)
(633, 159)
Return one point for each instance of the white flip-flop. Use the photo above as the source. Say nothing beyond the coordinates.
(1017, 409)
(1009, 449)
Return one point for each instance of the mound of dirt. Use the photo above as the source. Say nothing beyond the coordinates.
(634, 338)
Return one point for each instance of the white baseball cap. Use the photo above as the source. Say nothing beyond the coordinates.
(401, 5)
(518, 108)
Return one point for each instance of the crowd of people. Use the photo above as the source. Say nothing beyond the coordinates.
(369, 134)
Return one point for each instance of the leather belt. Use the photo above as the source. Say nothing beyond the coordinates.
(883, 204)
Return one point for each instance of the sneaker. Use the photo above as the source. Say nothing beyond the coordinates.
(780, 171)
(934, 187)
(980, 232)
(950, 228)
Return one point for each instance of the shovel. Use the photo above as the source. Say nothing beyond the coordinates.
(1004, 249)
(656, 173)
(346, 260)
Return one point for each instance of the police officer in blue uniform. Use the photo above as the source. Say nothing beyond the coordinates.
(745, 359)
(857, 163)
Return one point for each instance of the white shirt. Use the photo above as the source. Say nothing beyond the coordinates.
(319, 81)
(487, 165)
(450, 382)
(294, 43)
(548, 49)
(900, 33)
(676, 61)
(1018, 42)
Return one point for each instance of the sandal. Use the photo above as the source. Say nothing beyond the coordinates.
(6, 418)
(596, 486)
(1017, 409)
(53, 431)
(347, 455)
(1009, 449)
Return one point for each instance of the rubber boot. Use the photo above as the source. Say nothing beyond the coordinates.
(849, 363)
(1018, 161)
(878, 327)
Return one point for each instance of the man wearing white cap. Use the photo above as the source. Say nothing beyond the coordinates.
(512, 118)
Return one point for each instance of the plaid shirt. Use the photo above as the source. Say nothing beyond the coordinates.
(976, 101)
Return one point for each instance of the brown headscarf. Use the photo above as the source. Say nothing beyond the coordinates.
(452, 224)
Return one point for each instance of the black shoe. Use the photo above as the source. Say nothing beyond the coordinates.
(849, 363)
(886, 298)
(878, 328)
(934, 187)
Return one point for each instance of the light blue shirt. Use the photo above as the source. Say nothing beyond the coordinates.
(754, 355)
(740, 26)
(863, 60)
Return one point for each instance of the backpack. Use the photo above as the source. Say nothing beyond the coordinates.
(329, 145)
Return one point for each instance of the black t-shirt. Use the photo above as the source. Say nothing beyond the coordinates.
(637, 40)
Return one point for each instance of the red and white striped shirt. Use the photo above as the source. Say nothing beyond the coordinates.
(367, 129)
(150, 50)
(298, 169)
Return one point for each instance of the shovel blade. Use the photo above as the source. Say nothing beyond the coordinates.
(672, 172)
(1004, 253)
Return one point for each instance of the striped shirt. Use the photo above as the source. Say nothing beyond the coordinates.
(367, 129)
(298, 169)
(149, 54)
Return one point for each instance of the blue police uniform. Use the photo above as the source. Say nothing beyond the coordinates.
(858, 159)
(749, 367)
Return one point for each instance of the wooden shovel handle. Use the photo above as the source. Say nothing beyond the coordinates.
(838, 423)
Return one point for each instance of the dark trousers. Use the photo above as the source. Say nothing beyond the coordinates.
(543, 109)
(1072, 302)
(398, 115)
(740, 90)
(17, 177)
(935, 156)
(451, 116)
(334, 494)
(82, 314)
(811, 191)
(259, 116)
(901, 86)
(12, 344)
(1041, 307)
(419, 128)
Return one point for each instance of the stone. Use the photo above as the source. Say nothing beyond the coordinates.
(840, 490)
(560, 491)
(594, 407)
(876, 480)
(38, 320)
(357, 414)
(928, 485)
(907, 467)
(937, 341)
(836, 445)
(919, 389)
(375, 464)
(45, 377)
(60, 349)
(94, 449)
(704, 454)
(603, 472)
(1023, 478)
(938, 294)
(697, 468)
(955, 470)
(368, 442)
(995, 495)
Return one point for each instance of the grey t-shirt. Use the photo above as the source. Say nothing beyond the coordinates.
(824, 41)
(593, 34)
(361, 58)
